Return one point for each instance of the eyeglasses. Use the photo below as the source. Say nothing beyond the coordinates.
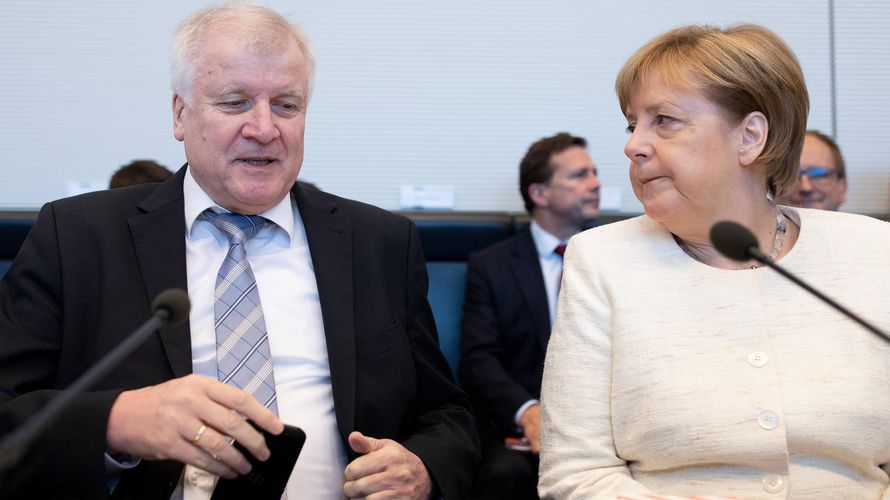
(818, 176)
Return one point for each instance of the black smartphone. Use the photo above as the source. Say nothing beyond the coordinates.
(268, 479)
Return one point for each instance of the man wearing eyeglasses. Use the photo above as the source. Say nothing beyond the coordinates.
(821, 179)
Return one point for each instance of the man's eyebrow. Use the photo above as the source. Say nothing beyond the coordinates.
(296, 94)
(228, 91)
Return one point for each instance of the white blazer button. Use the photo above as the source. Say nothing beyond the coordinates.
(773, 483)
(758, 359)
(768, 419)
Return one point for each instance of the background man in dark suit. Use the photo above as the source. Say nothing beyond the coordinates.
(509, 307)
(336, 295)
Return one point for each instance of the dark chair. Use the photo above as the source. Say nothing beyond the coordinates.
(448, 239)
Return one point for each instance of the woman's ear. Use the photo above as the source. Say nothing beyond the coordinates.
(754, 131)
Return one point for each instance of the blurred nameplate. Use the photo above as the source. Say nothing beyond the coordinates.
(426, 197)
(73, 188)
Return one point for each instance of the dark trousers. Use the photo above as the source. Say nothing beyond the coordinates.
(505, 474)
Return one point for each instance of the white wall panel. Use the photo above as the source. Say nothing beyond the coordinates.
(407, 92)
(862, 30)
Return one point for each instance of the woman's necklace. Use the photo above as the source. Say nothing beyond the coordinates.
(778, 238)
(781, 227)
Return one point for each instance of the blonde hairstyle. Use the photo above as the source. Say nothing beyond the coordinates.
(259, 30)
(742, 69)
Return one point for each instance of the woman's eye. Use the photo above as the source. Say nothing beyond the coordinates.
(664, 120)
(630, 128)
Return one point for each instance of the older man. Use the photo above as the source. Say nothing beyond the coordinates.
(510, 303)
(326, 296)
(822, 178)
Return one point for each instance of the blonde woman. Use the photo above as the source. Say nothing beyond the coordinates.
(675, 371)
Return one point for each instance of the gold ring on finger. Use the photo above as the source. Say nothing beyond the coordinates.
(199, 434)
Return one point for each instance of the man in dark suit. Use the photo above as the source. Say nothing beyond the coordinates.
(336, 296)
(509, 307)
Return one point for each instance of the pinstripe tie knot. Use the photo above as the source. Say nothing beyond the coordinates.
(237, 227)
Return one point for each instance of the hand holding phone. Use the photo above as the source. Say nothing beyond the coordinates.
(268, 479)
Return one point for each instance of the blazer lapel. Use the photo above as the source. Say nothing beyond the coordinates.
(527, 269)
(159, 239)
(330, 244)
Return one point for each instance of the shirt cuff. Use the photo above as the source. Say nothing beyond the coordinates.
(521, 410)
(120, 462)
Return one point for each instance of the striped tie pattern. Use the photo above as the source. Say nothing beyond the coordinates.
(243, 357)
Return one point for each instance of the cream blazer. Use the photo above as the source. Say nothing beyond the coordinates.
(665, 375)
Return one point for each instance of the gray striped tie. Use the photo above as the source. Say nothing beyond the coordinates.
(243, 358)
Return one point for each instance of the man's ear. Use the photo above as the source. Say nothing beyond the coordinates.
(754, 130)
(842, 198)
(537, 193)
(178, 109)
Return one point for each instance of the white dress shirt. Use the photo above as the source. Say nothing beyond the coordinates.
(280, 259)
(551, 264)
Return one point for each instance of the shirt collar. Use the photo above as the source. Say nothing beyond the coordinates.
(196, 201)
(545, 242)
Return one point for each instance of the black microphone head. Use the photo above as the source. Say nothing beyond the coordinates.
(733, 240)
(175, 302)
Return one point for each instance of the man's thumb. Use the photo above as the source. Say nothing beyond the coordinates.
(364, 444)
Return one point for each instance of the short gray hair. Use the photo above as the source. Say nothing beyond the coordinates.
(266, 30)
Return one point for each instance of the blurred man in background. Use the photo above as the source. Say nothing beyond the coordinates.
(822, 178)
(139, 172)
(509, 308)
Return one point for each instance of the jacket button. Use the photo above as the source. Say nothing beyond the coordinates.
(768, 419)
(758, 359)
(773, 483)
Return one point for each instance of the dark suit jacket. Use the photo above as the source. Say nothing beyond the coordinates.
(87, 274)
(504, 330)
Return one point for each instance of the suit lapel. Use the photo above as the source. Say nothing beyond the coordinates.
(159, 239)
(527, 270)
(330, 244)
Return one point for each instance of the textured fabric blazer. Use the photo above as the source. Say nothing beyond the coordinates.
(665, 375)
(87, 274)
(504, 330)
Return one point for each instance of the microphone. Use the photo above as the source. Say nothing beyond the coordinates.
(736, 242)
(170, 307)
(173, 304)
